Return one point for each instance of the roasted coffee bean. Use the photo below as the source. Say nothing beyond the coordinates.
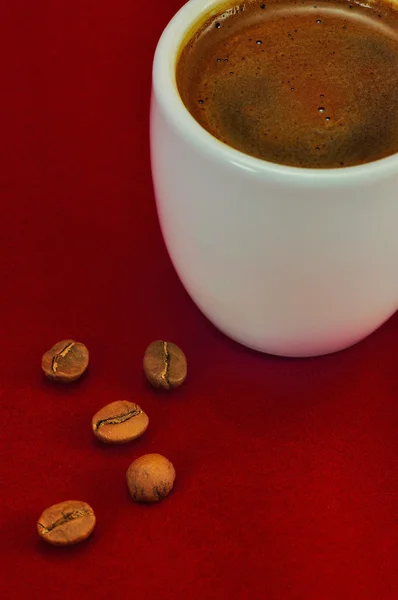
(66, 523)
(119, 422)
(66, 361)
(150, 478)
(165, 365)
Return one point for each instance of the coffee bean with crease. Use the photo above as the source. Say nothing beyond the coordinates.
(66, 523)
(165, 365)
(66, 361)
(150, 478)
(119, 422)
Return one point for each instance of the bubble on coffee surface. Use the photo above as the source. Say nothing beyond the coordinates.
(327, 118)
(218, 25)
(259, 42)
(318, 21)
(321, 109)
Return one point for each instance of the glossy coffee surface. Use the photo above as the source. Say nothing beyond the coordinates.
(297, 83)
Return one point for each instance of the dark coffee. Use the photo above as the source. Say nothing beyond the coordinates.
(66, 523)
(308, 84)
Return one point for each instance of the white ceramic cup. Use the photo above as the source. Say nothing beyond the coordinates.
(289, 261)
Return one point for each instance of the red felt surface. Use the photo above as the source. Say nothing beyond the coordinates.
(286, 469)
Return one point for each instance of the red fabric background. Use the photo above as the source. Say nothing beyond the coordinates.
(286, 469)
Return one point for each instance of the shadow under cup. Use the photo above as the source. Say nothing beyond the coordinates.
(289, 261)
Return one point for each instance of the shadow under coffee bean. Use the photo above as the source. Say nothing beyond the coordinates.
(298, 84)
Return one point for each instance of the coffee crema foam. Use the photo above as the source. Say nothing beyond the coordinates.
(307, 84)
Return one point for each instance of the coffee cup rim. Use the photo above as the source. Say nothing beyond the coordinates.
(165, 90)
